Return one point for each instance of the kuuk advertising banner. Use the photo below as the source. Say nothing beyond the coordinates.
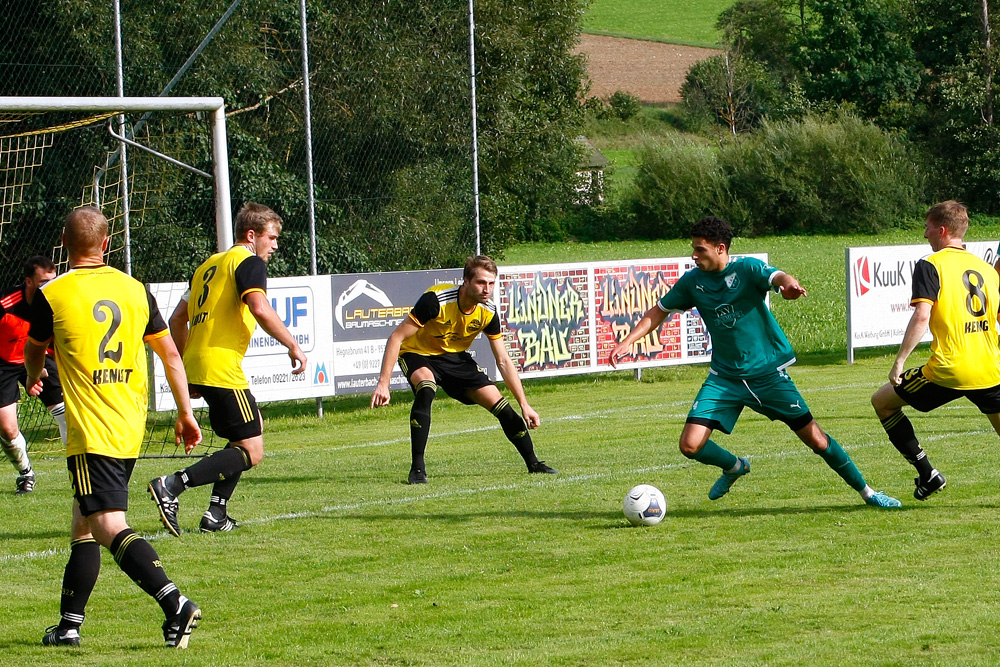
(304, 305)
(879, 289)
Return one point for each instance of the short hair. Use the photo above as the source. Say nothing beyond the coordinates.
(256, 217)
(36, 262)
(714, 230)
(85, 230)
(950, 214)
(478, 262)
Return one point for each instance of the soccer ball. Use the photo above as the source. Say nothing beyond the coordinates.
(644, 505)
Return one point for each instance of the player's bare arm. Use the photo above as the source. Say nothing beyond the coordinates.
(405, 329)
(179, 326)
(269, 321)
(34, 364)
(788, 286)
(513, 381)
(186, 428)
(651, 321)
(915, 330)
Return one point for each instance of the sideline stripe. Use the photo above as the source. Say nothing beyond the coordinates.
(390, 502)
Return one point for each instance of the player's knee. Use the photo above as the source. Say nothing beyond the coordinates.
(689, 448)
(423, 397)
(253, 452)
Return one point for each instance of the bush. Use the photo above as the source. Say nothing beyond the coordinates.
(677, 185)
(624, 105)
(828, 176)
(821, 176)
(733, 91)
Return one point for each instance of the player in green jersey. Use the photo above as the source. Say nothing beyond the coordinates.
(750, 355)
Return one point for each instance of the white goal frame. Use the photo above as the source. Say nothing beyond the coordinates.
(214, 106)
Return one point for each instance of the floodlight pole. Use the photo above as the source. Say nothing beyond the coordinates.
(310, 186)
(475, 136)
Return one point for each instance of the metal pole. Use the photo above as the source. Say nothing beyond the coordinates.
(120, 90)
(475, 136)
(310, 186)
(220, 158)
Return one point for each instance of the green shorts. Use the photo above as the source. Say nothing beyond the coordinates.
(721, 400)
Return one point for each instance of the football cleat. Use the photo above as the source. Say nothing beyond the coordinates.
(25, 483)
(724, 483)
(167, 504)
(209, 524)
(177, 629)
(417, 476)
(539, 466)
(56, 636)
(932, 484)
(880, 499)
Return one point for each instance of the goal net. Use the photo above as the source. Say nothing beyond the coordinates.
(149, 164)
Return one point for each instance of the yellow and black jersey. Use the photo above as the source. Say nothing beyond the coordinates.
(444, 328)
(98, 319)
(965, 295)
(220, 323)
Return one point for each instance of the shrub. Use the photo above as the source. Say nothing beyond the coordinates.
(624, 105)
(821, 176)
(733, 91)
(676, 185)
(829, 176)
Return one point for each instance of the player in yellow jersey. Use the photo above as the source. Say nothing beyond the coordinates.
(226, 301)
(431, 346)
(97, 319)
(957, 295)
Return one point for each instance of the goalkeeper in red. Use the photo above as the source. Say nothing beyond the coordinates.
(431, 345)
(750, 355)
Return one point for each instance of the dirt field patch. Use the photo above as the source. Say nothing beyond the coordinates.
(653, 71)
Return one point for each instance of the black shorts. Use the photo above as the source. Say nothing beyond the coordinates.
(457, 373)
(99, 482)
(924, 395)
(12, 374)
(233, 413)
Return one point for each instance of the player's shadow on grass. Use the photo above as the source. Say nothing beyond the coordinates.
(37, 535)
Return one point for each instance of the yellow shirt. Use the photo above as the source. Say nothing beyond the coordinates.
(965, 295)
(99, 319)
(220, 323)
(444, 328)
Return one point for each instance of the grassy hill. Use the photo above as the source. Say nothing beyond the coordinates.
(676, 21)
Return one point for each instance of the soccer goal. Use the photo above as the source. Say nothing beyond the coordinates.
(145, 161)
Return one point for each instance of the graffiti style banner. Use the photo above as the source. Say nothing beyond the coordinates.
(367, 307)
(879, 288)
(545, 311)
(623, 294)
(303, 304)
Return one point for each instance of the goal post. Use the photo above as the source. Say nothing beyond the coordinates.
(215, 106)
(60, 152)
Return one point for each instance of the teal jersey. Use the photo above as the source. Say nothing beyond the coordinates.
(746, 339)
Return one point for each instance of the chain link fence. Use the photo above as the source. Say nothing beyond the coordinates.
(391, 149)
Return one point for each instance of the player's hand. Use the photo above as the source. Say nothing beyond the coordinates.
(531, 417)
(298, 358)
(617, 353)
(896, 374)
(186, 430)
(792, 291)
(34, 385)
(380, 396)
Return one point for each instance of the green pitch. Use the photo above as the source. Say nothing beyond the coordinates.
(339, 562)
(677, 21)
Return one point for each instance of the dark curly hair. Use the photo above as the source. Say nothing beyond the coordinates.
(715, 230)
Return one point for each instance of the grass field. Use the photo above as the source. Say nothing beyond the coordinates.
(339, 562)
(675, 21)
